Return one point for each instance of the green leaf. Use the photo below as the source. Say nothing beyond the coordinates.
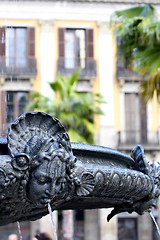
(142, 11)
(75, 136)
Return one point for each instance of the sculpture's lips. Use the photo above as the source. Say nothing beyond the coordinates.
(45, 200)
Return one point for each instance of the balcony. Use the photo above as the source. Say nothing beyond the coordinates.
(126, 74)
(24, 67)
(129, 139)
(88, 67)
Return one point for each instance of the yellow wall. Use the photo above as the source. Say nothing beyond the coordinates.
(37, 82)
(116, 90)
(155, 113)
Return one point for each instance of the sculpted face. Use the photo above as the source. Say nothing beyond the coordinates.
(41, 187)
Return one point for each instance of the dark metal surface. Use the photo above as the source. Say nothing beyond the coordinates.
(39, 165)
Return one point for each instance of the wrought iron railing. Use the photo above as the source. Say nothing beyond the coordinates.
(125, 73)
(88, 67)
(18, 66)
(138, 137)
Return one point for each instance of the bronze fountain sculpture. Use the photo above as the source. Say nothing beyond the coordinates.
(39, 165)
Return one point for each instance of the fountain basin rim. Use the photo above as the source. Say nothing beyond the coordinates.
(85, 150)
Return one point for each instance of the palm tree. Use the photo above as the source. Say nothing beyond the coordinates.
(74, 109)
(137, 31)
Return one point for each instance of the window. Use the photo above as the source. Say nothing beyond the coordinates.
(17, 45)
(75, 47)
(12, 106)
(136, 118)
(16, 103)
(78, 224)
(75, 51)
(127, 229)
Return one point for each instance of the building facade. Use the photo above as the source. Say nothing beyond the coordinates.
(39, 40)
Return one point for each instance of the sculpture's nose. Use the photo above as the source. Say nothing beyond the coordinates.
(50, 192)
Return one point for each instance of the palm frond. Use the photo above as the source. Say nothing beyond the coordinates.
(137, 31)
(74, 109)
(149, 87)
(141, 11)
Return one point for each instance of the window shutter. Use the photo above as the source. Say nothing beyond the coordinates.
(130, 113)
(3, 114)
(89, 43)
(2, 41)
(31, 41)
(143, 120)
(61, 42)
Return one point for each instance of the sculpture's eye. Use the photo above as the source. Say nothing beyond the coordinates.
(41, 179)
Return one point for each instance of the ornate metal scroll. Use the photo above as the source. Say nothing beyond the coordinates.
(39, 165)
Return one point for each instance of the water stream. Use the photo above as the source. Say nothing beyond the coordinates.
(54, 228)
(154, 220)
(19, 231)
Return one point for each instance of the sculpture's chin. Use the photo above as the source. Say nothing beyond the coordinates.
(42, 202)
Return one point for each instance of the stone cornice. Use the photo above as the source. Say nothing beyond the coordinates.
(100, 1)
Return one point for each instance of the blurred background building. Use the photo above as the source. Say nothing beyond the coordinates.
(38, 40)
